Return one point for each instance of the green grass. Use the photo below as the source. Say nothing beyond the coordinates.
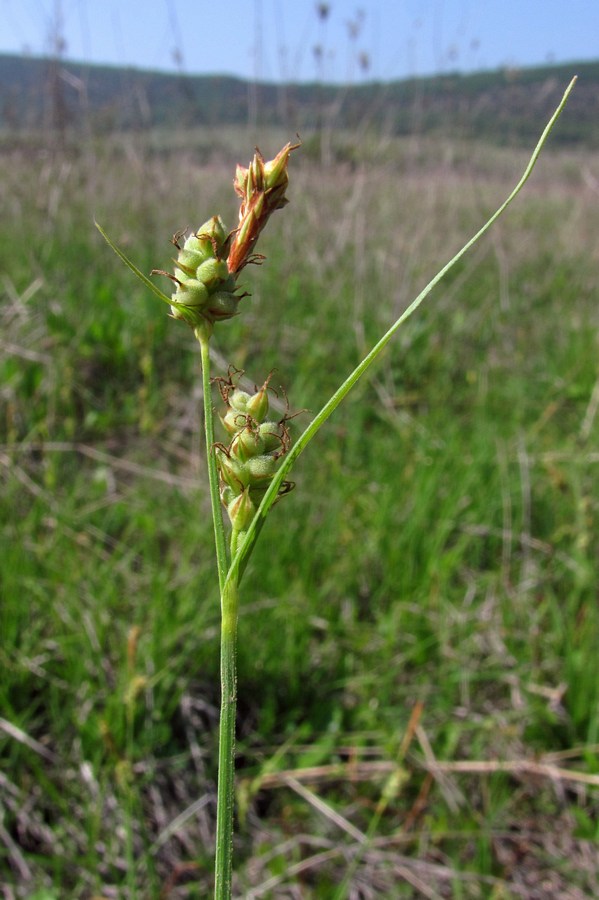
(441, 545)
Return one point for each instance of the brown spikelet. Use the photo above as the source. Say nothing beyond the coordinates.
(262, 189)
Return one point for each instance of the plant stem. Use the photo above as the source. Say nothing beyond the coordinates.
(203, 337)
(226, 750)
(223, 865)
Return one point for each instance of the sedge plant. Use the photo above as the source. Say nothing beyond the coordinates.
(248, 474)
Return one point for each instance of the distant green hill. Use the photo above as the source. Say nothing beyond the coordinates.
(505, 106)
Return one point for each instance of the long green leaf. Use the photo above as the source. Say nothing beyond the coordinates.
(241, 558)
(133, 267)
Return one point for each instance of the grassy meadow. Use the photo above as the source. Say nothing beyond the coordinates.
(418, 665)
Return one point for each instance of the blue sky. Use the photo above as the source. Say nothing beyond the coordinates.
(288, 39)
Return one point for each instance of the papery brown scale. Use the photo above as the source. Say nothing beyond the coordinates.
(247, 235)
(240, 183)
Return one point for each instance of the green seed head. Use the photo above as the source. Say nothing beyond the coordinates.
(258, 404)
(222, 305)
(271, 433)
(211, 236)
(227, 494)
(213, 273)
(191, 293)
(241, 511)
(213, 258)
(205, 288)
(247, 444)
(189, 259)
(234, 421)
(232, 471)
(260, 469)
(239, 400)
(193, 244)
(248, 465)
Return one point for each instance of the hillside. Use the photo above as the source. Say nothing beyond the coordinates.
(503, 106)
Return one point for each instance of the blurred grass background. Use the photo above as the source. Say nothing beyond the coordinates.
(427, 594)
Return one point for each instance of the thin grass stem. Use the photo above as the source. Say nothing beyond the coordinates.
(223, 864)
(217, 516)
(226, 750)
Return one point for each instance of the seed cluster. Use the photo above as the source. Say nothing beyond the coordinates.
(205, 287)
(248, 463)
(211, 259)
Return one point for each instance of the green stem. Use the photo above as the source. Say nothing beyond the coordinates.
(226, 750)
(223, 865)
(203, 336)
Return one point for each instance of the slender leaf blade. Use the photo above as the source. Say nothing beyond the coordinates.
(149, 284)
(242, 556)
